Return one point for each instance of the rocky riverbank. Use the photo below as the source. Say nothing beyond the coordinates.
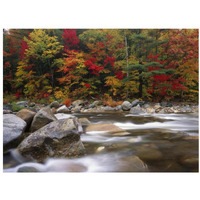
(38, 132)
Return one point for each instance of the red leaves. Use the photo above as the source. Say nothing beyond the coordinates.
(87, 85)
(70, 38)
(18, 94)
(109, 60)
(24, 46)
(119, 75)
(95, 69)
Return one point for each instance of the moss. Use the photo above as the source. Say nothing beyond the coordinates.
(16, 108)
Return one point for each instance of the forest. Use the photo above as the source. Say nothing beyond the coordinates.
(112, 65)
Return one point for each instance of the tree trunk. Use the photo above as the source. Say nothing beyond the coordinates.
(125, 39)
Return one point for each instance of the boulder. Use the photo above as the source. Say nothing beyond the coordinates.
(136, 110)
(22, 103)
(63, 109)
(54, 104)
(150, 110)
(131, 164)
(31, 104)
(59, 138)
(42, 117)
(134, 103)
(190, 161)
(7, 111)
(13, 128)
(147, 154)
(76, 109)
(77, 103)
(26, 115)
(126, 105)
(106, 128)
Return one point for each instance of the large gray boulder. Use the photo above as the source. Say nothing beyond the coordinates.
(63, 109)
(43, 117)
(136, 110)
(13, 128)
(126, 105)
(59, 138)
(135, 103)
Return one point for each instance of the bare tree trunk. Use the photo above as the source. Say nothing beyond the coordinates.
(126, 46)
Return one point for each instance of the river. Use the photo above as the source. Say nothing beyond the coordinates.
(151, 143)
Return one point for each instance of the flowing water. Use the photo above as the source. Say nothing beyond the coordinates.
(150, 143)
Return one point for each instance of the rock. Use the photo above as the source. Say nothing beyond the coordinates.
(42, 117)
(54, 104)
(187, 109)
(26, 115)
(54, 110)
(168, 110)
(77, 103)
(136, 110)
(166, 104)
(7, 111)
(126, 105)
(7, 107)
(97, 103)
(134, 103)
(27, 169)
(119, 107)
(149, 154)
(63, 116)
(59, 138)
(106, 128)
(63, 109)
(91, 106)
(157, 106)
(13, 128)
(150, 110)
(22, 103)
(84, 121)
(131, 164)
(31, 104)
(76, 109)
(146, 106)
(190, 161)
(108, 108)
(141, 103)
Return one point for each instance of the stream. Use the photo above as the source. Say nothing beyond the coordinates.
(150, 143)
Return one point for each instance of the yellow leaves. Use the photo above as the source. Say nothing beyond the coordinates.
(112, 81)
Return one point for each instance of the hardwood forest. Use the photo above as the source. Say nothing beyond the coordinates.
(113, 65)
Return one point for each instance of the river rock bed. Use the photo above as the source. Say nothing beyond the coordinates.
(133, 137)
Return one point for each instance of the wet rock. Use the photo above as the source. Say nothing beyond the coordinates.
(59, 138)
(190, 161)
(13, 128)
(108, 108)
(27, 169)
(54, 104)
(131, 164)
(106, 128)
(166, 104)
(148, 154)
(135, 103)
(27, 115)
(84, 121)
(42, 117)
(119, 107)
(77, 103)
(63, 109)
(7, 107)
(126, 105)
(136, 110)
(76, 109)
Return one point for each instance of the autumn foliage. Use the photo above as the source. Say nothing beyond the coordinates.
(111, 64)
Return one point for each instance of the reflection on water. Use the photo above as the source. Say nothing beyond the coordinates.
(151, 143)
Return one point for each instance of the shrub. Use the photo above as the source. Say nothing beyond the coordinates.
(16, 108)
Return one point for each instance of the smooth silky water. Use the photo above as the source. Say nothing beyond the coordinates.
(150, 143)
